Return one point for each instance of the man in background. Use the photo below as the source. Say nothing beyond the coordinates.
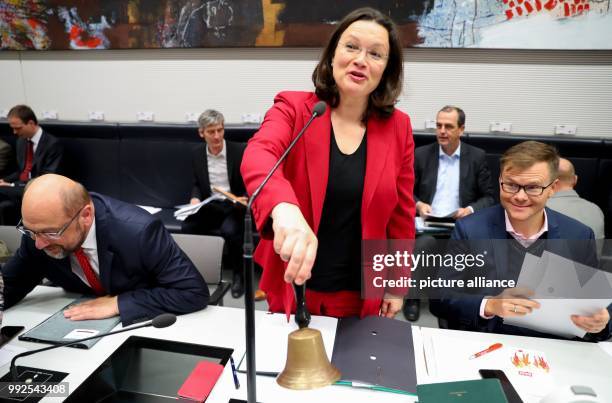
(216, 163)
(565, 200)
(37, 153)
(450, 177)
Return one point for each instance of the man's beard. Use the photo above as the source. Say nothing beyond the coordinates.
(63, 253)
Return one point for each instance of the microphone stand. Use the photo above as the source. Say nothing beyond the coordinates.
(249, 270)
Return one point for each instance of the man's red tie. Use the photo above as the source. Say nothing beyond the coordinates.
(90, 274)
(29, 161)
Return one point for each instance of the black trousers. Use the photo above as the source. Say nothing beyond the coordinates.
(221, 218)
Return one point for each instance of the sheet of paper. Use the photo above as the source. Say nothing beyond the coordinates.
(7, 353)
(529, 372)
(182, 213)
(554, 280)
(78, 334)
(272, 332)
(150, 209)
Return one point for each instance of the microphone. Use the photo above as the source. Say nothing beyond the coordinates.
(160, 321)
(249, 304)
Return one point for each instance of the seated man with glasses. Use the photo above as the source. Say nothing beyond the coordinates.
(520, 225)
(92, 244)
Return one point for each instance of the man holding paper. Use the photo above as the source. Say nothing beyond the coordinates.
(216, 164)
(92, 244)
(520, 225)
(451, 178)
(449, 175)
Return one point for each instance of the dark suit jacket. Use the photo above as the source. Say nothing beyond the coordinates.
(486, 230)
(47, 158)
(138, 260)
(201, 183)
(475, 187)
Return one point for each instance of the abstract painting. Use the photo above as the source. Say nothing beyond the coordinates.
(134, 24)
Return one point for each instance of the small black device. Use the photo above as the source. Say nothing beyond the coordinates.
(8, 332)
(509, 391)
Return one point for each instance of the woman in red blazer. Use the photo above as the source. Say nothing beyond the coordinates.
(349, 178)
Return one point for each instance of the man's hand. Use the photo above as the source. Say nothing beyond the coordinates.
(462, 212)
(194, 200)
(4, 183)
(294, 241)
(511, 302)
(594, 323)
(99, 308)
(391, 305)
(423, 209)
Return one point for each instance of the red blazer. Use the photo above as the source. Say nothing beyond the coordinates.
(387, 210)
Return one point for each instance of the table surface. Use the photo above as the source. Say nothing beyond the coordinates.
(574, 362)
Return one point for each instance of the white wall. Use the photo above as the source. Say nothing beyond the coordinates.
(534, 90)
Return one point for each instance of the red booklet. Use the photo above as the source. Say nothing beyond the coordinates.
(201, 381)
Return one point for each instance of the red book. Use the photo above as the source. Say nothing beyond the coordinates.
(201, 381)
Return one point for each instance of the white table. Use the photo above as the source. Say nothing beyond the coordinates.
(575, 362)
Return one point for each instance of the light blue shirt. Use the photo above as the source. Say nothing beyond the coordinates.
(446, 198)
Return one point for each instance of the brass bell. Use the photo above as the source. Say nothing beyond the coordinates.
(307, 365)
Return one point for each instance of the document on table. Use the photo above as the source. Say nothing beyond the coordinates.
(563, 288)
(529, 370)
(272, 332)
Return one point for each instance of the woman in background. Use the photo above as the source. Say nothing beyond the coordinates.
(349, 178)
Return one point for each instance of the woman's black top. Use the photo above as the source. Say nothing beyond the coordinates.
(338, 263)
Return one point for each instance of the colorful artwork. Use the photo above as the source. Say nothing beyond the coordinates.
(131, 24)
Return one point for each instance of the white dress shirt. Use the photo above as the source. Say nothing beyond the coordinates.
(446, 198)
(217, 169)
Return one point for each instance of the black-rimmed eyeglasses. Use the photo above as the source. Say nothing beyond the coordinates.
(530, 190)
(51, 235)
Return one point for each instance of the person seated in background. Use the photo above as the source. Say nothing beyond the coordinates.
(38, 153)
(92, 244)
(449, 176)
(528, 175)
(216, 163)
(565, 200)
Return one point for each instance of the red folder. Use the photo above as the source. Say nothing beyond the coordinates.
(201, 381)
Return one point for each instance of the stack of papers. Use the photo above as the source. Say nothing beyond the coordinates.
(186, 210)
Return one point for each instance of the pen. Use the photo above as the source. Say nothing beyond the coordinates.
(492, 347)
(234, 373)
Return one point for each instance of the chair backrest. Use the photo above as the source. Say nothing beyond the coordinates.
(206, 253)
(11, 237)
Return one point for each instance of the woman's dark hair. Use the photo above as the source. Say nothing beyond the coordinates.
(383, 98)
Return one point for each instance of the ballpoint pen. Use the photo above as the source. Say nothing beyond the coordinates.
(492, 347)
(234, 373)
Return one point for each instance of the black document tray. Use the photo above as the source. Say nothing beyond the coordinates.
(145, 370)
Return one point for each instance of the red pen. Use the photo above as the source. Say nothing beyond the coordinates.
(492, 347)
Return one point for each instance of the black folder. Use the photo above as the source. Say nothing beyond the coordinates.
(376, 351)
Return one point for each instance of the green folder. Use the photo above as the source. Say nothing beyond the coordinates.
(476, 391)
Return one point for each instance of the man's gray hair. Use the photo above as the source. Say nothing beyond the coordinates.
(210, 117)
